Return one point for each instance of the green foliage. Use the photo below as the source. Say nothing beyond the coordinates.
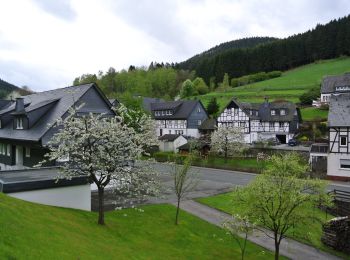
(200, 86)
(282, 54)
(225, 84)
(307, 97)
(33, 231)
(213, 107)
(188, 89)
(289, 86)
(261, 76)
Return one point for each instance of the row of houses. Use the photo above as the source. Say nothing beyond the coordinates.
(28, 123)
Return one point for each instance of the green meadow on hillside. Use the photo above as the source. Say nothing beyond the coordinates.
(289, 86)
(33, 231)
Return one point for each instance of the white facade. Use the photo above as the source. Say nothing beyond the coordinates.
(338, 161)
(325, 98)
(177, 127)
(254, 130)
(172, 146)
(76, 197)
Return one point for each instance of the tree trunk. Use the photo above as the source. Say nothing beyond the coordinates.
(177, 212)
(277, 248)
(101, 210)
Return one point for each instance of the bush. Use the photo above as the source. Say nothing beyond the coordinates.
(309, 96)
(260, 76)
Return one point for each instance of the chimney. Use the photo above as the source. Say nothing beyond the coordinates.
(19, 104)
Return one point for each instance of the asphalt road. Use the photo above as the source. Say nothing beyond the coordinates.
(214, 181)
(209, 182)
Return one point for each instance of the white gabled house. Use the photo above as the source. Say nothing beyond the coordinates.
(334, 85)
(276, 120)
(171, 142)
(338, 161)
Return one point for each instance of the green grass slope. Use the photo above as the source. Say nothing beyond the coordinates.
(289, 86)
(33, 231)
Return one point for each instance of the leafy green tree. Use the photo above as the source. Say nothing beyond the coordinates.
(309, 96)
(275, 199)
(200, 86)
(213, 107)
(187, 89)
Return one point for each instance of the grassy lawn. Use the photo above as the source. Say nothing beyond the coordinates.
(33, 231)
(309, 233)
(289, 86)
(310, 113)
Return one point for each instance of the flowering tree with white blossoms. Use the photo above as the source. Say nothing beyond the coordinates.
(105, 149)
(227, 141)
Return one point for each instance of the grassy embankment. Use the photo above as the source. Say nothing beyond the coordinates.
(33, 231)
(309, 232)
(289, 86)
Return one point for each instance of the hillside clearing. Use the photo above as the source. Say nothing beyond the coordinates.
(289, 86)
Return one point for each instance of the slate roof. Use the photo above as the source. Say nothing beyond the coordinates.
(34, 179)
(329, 83)
(208, 124)
(114, 101)
(64, 98)
(169, 137)
(182, 108)
(264, 110)
(5, 103)
(339, 110)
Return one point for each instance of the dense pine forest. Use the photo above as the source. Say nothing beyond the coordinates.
(223, 66)
(323, 42)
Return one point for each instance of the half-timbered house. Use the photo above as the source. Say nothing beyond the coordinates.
(338, 161)
(276, 120)
(182, 117)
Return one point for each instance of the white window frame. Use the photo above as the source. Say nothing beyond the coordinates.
(340, 141)
(283, 112)
(345, 168)
(273, 112)
(19, 123)
(199, 122)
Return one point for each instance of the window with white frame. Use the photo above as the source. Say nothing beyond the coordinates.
(273, 112)
(229, 111)
(19, 123)
(281, 124)
(8, 150)
(283, 112)
(199, 122)
(343, 141)
(27, 151)
(345, 163)
(236, 111)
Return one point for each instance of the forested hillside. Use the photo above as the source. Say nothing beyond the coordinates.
(323, 42)
(6, 88)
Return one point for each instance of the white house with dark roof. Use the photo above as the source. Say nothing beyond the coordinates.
(182, 117)
(276, 120)
(171, 142)
(27, 124)
(338, 160)
(334, 85)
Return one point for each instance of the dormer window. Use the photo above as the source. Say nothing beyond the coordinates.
(19, 123)
(283, 112)
(273, 112)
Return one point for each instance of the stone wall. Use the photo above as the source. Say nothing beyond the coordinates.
(336, 234)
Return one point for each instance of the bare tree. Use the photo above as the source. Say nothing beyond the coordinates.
(184, 181)
(239, 225)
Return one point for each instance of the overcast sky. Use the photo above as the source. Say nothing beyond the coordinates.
(45, 44)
